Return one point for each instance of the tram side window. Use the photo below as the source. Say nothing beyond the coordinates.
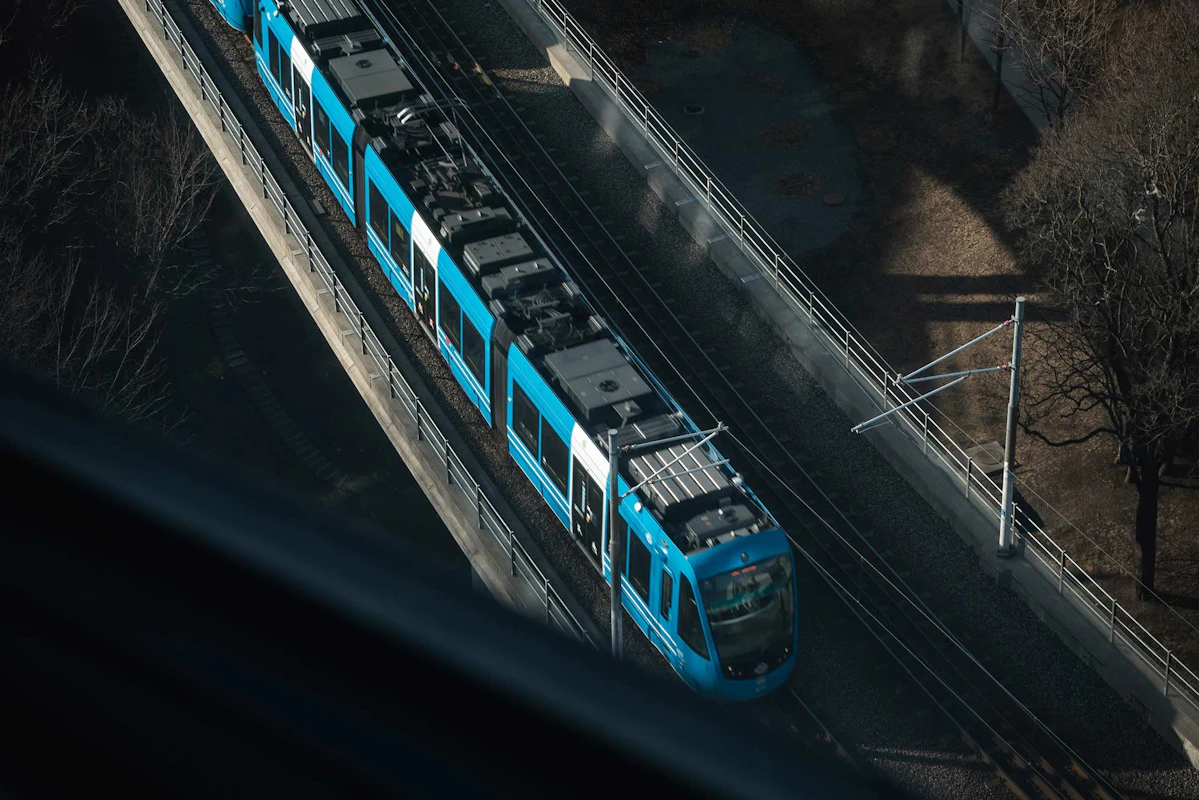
(258, 25)
(399, 242)
(622, 530)
(341, 159)
(379, 212)
(667, 594)
(691, 630)
(321, 128)
(639, 561)
(525, 417)
(451, 316)
(474, 353)
(555, 458)
(273, 52)
(285, 72)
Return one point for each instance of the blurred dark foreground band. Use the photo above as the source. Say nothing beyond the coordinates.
(168, 628)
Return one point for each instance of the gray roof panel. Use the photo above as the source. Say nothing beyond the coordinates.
(313, 12)
(586, 359)
(371, 79)
(672, 488)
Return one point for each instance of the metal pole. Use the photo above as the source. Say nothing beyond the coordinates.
(998, 90)
(1009, 450)
(871, 422)
(614, 548)
(908, 378)
(961, 30)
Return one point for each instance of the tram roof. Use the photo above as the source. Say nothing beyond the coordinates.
(312, 12)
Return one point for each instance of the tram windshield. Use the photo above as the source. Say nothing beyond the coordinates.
(750, 611)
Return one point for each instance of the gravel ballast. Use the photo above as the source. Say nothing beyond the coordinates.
(835, 671)
(590, 590)
(852, 684)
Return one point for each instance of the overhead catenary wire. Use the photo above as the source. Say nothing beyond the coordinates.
(485, 137)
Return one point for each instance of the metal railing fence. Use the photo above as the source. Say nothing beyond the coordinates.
(860, 360)
(398, 391)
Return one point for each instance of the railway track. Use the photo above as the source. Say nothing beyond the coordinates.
(1005, 733)
(786, 714)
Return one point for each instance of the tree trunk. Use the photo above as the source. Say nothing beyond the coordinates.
(1147, 496)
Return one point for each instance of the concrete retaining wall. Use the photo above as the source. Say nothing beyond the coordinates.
(490, 562)
(1175, 718)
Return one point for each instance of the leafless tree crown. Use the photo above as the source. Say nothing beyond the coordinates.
(1062, 47)
(95, 201)
(1109, 210)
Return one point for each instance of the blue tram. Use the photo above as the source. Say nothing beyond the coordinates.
(237, 13)
(708, 575)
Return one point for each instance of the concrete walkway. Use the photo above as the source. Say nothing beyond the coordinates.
(1174, 717)
(767, 120)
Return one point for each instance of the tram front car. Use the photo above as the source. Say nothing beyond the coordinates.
(747, 599)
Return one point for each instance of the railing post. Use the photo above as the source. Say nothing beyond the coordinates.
(241, 143)
(709, 190)
(336, 297)
(1111, 634)
(512, 551)
(847, 348)
(547, 601)
(479, 504)
(308, 250)
(362, 331)
(391, 387)
(286, 224)
(969, 473)
(1166, 687)
(419, 410)
(812, 307)
(676, 154)
(221, 110)
(262, 177)
(925, 445)
(445, 448)
(1061, 569)
(1015, 528)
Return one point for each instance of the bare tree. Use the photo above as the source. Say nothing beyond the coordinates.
(8, 21)
(1062, 46)
(82, 291)
(82, 335)
(47, 137)
(1110, 206)
(32, 21)
(163, 187)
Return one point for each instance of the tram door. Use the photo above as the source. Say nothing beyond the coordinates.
(303, 108)
(424, 282)
(587, 512)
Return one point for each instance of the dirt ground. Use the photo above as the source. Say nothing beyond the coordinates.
(928, 265)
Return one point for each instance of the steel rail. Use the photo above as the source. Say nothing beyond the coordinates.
(512, 152)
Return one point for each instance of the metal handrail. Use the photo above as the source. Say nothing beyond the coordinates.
(556, 612)
(865, 365)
